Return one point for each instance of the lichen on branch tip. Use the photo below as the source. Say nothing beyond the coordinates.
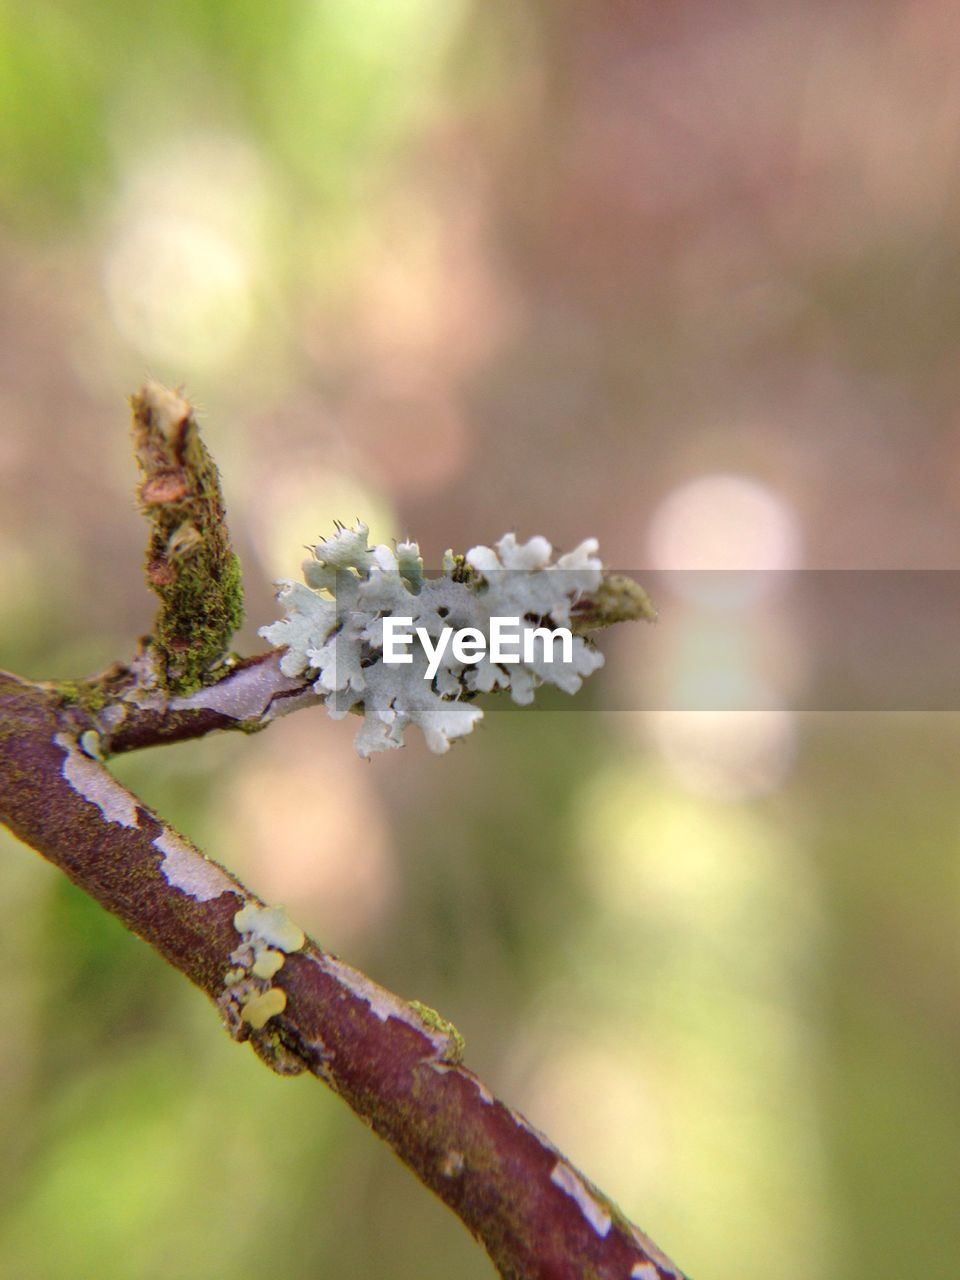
(333, 629)
(617, 599)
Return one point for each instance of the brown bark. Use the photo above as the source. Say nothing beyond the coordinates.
(393, 1063)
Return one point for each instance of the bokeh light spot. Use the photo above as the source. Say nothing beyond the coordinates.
(180, 270)
(724, 522)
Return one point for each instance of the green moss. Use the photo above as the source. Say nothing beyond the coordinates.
(190, 563)
(200, 613)
(89, 695)
(250, 726)
(436, 1022)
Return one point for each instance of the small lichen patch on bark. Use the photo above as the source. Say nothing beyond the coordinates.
(90, 780)
(248, 997)
(269, 927)
(261, 1007)
(570, 1182)
(231, 1000)
(246, 694)
(645, 1271)
(384, 1004)
(267, 964)
(186, 869)
(89, 743)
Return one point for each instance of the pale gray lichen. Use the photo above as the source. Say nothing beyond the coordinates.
(570, 1182)
(333, 630)
(254, 694)
(187, 869)
(95, 784)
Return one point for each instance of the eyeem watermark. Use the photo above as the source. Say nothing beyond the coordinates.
(507, 642)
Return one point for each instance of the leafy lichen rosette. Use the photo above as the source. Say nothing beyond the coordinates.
(332, 630)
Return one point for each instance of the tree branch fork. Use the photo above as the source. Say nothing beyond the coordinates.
(301, 1008)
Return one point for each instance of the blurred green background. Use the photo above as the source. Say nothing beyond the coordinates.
(685, 277)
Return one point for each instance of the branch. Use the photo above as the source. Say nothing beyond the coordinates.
(190, 563)
(182, 683)
(250, 694)
(395, 1063)
(128, 714)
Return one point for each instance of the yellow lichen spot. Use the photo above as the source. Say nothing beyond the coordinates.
(269, 925)
(233, 976)
(259, 1009)
(267, 964)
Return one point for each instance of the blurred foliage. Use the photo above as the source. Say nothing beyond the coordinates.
(455, 268)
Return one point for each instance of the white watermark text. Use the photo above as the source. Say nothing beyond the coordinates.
(508, 641)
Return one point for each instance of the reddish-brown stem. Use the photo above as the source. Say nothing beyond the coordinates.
(395, 1066)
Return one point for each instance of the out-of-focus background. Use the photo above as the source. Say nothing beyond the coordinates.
(685, 277)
